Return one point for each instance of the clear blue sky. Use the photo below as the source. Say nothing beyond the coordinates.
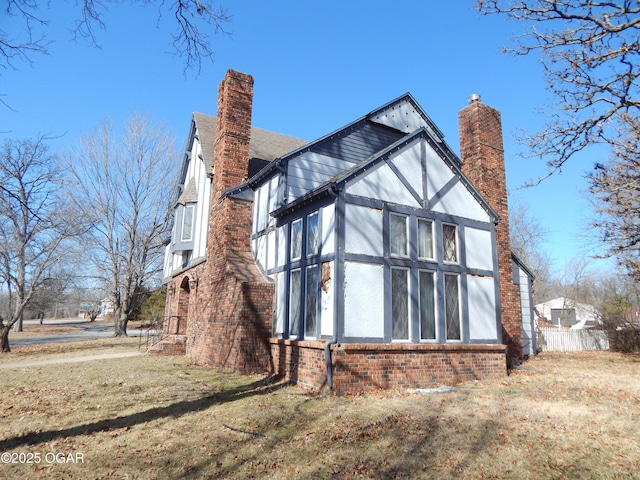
(317, 66)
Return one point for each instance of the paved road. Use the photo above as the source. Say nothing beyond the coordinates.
(85, 331)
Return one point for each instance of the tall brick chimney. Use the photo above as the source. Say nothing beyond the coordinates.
(483, 164)
(231, 220)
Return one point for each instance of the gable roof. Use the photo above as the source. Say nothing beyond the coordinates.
(381, 128)
(357, 147)
(329, 187)
(189, 194)
(264, 145)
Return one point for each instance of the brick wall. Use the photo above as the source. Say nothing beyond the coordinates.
(483, 164)
(230, 312)
(362, 367)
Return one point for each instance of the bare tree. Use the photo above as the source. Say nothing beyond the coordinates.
(34, 225)
(615, 189)
(590, 52)
(527, 235)
(194, 20)
(124, 185)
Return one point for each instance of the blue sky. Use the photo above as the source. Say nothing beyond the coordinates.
(317, 66)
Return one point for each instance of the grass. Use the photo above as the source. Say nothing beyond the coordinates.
(564, 416)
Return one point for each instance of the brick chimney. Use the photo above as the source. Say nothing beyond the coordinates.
(233, 130)
(483, 164)
(231, 220)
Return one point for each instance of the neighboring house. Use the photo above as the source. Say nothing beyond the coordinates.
(564, 312)
(107, 307)
(371, 257)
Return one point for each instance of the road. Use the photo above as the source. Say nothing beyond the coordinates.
(85, 331)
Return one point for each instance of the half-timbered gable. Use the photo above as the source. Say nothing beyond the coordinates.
(370, 257)
(415, 239)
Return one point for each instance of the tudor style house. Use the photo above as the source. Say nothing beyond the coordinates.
(370, 257)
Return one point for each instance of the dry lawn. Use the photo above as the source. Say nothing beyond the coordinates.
(564, 416)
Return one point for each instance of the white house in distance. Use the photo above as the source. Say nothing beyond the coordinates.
(565, 312)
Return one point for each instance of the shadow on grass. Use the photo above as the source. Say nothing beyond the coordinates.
(175, 410)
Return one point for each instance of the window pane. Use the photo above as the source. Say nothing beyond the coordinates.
(294, 304)
(280, 303)
(312, 302)
(449, 243)
(296, 239)
(399, 304)
(312, 234)
(427, 307)
(452, 307)
(398, 234)
(425, 239)
(187, 223)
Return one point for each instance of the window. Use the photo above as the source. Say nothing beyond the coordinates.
(452, 307)
(425, 238)
(398, 234)
(295, 291)
(296, 239)
(399, 304)
(427, 306)
(187, 223)
(449, 243)
(312, 302)
(563, 316)
(312, 234)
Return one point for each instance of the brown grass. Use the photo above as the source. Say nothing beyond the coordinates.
(565, 416)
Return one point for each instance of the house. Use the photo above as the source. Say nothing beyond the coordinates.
(565, 312)
(372, 257)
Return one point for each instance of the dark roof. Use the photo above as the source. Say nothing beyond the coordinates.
(330, 186)
(265, 145)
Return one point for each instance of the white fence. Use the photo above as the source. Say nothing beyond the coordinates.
(565, 340)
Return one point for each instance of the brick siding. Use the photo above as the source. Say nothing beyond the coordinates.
(361, 367)
(483, 164)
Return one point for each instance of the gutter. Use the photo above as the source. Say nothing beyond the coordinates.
(332, 191)
(327, 360)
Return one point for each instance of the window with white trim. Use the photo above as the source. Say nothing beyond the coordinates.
(427, 305)
(425, 238)
(296, 239)
(295, 293)
(304, 278)
(452, 306)
(400, 304)
(312, 234)
(449, 243)
(187, 223)
(398, 235)
(311, 304)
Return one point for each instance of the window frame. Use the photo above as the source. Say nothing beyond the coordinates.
(404, 295)
(295, 307)
(392, 233)
(456, 244)
(311, 292)
(458, 309)
(430, 222)
(312, 247)
(296, 247)
(434, 304)
(189, 211)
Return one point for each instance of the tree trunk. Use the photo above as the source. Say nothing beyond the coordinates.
(4, 338)
(121, 325)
